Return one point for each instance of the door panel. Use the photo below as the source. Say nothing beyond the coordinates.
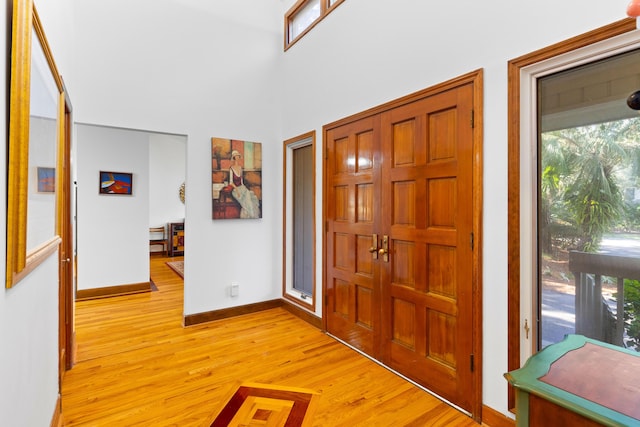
(405, 176)
(351, 219)
(427, 212)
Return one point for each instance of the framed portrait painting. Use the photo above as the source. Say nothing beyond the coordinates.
(236, 179)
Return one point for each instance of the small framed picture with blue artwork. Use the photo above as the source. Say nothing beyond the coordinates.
(46, 180)
(116, 183)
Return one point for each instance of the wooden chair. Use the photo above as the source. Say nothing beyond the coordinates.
(158, 237)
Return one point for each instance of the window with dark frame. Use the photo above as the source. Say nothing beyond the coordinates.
(303, 16)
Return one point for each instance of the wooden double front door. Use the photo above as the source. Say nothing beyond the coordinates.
(399, 255)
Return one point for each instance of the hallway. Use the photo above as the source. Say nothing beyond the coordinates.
(137, 365)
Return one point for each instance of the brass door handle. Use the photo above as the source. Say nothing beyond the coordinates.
(374, 246)
(384, 250)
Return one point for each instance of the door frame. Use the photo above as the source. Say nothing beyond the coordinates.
(288, 289)
(521, 127)
(476, 79)
(66, 259)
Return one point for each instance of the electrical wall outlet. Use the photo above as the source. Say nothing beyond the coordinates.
(235, 289)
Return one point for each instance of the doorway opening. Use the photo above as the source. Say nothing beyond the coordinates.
(113, 229)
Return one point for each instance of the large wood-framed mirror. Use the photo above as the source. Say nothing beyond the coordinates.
(36, 138)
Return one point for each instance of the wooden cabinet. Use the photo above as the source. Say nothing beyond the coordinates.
(578, 382)
(176, 238)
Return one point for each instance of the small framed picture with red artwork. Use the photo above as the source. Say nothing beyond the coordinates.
(116, 183)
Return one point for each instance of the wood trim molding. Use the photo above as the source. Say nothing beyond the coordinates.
(308, 317)
(325, 10)
(477, 77)
(57, 420)
(26, 32)
(37, 257)
(112, 291)
(514, 67)
(285, 217)
(302, 304)
(17, 171)
(470, 77)
(210, 316)
(493, 418)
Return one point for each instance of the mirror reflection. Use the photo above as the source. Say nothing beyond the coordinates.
(44, 98)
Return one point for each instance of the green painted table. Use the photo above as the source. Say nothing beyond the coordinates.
(578, 382)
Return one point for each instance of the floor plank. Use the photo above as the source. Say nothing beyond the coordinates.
(137, 365)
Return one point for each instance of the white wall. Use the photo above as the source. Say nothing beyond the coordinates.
(29, 310)
(167, 157)
(29, 355)
(217, 69)
(366, 53)
(113, 230)
(201, 70)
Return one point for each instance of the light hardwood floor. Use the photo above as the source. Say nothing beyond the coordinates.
(136, 365)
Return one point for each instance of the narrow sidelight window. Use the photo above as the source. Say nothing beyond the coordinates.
(299, 220)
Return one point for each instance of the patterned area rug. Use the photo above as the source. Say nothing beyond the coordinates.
(177, 266)
(269, 405)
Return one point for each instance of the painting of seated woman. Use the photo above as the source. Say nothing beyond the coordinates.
(236, 179)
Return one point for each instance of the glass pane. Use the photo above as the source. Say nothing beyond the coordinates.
(303, 219)
(304, 18)
(43, 137)
(589, 203)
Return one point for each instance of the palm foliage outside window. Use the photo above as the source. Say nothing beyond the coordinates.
(589, 192)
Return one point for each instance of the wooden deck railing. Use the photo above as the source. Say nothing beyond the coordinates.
(594, 318)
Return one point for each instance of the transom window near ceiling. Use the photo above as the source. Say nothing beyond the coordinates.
(303, 16)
